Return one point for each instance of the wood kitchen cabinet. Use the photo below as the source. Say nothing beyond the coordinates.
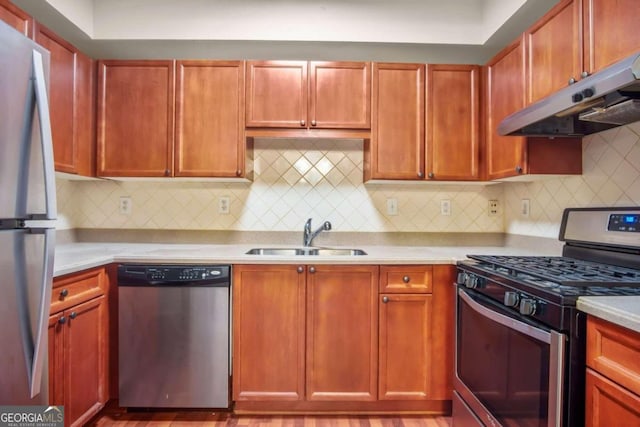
(577, 38)
(268, 332)
(342, 333)
(416, 353)
(396, 148)
(308, 95)
(452, 137)
(78, 345)
(16, 17)
(512, 156)
(613, 375)
(209, 137)
(272, 304)
(71, 99)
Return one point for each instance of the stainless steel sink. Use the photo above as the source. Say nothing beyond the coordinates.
(306, 251)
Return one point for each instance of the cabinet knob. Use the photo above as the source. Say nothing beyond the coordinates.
(313, 122)
(64, 293)
(167, 172)
(239, 172)
(519, 169)
(73, 315)
(300, 269)
(62, 320)
(385, 299)
(420, 174)
(584, 74)
(302, 123)
(431, 175)
(572, 80)
(312, 270)
(406, 279)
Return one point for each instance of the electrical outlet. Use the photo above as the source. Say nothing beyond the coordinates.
(126, 205)
(223, 205)
(525, 208)
(445, 207)
(494, 208)
(392, 206)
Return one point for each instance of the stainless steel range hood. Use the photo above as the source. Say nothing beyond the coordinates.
(599, 102)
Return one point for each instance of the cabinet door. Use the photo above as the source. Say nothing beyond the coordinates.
(16, 17)
(210, 119)
(554, 49)
(268, 332)
(396, 150)
(505, 94)
(608, 404)
(276, 94)
(405, 337)
(342, 333)
(61, 98)
(340, 95)
(610, 32)
(56, 356)
(135, 118)
(85, 356)
(453, 113)
(84, 114)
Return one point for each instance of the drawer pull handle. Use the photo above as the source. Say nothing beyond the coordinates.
(300, 269)
(64, 293)
(385, 299)
(312, 270)
(406, 279)
(73, 315)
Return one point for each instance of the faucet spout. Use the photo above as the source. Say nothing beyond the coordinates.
(308, 235)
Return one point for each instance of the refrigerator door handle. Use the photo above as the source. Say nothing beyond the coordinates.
(46, 139)
(40, 345)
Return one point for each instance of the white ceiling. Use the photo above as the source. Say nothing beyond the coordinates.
(436, 28)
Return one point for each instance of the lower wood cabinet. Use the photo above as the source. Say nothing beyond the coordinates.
(78, 348)
(325, 338)
(613, 375)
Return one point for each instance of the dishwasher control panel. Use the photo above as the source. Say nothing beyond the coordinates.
(177, 275)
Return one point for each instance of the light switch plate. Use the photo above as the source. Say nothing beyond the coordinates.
(392, 206)
(525, 208)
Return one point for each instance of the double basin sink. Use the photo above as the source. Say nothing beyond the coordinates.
(306, 252)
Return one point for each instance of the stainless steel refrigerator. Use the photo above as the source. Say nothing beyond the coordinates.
(27, 219)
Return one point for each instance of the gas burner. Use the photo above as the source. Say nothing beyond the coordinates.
(562, 271)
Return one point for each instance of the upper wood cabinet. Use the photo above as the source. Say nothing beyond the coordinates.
(209, 138)
(453, 122)
(396, 149)
(16, 17)
(577, 38)
(71, 99)
(315, 95)
(135, 118)
(512, 156)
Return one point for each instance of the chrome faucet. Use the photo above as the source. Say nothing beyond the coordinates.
(308, 236)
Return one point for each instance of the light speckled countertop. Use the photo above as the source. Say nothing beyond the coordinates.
(80, 256)
(73, 257)
(621, 310)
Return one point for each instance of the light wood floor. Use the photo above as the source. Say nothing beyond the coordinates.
(120, 417)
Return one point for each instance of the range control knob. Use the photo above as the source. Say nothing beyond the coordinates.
(461, 277)
(528, 306)
(511, 299)
(472, 281)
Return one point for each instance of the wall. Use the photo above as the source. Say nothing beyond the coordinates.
(294, 180)
(611, 177)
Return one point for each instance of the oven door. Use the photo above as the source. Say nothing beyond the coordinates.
(508, 370)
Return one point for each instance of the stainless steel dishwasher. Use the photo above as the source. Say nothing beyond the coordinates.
(173, 336)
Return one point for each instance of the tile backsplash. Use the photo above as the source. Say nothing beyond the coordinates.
(322, 179)
(611, 177)
(293, 180)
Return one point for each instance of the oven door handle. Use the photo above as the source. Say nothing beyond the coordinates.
(533, 332)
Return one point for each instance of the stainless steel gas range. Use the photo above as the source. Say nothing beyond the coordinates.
(520, 341)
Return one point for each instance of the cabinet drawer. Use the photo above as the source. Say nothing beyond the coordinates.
(614, 352)
(608, 404)
(76, 288)
(406, 278)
